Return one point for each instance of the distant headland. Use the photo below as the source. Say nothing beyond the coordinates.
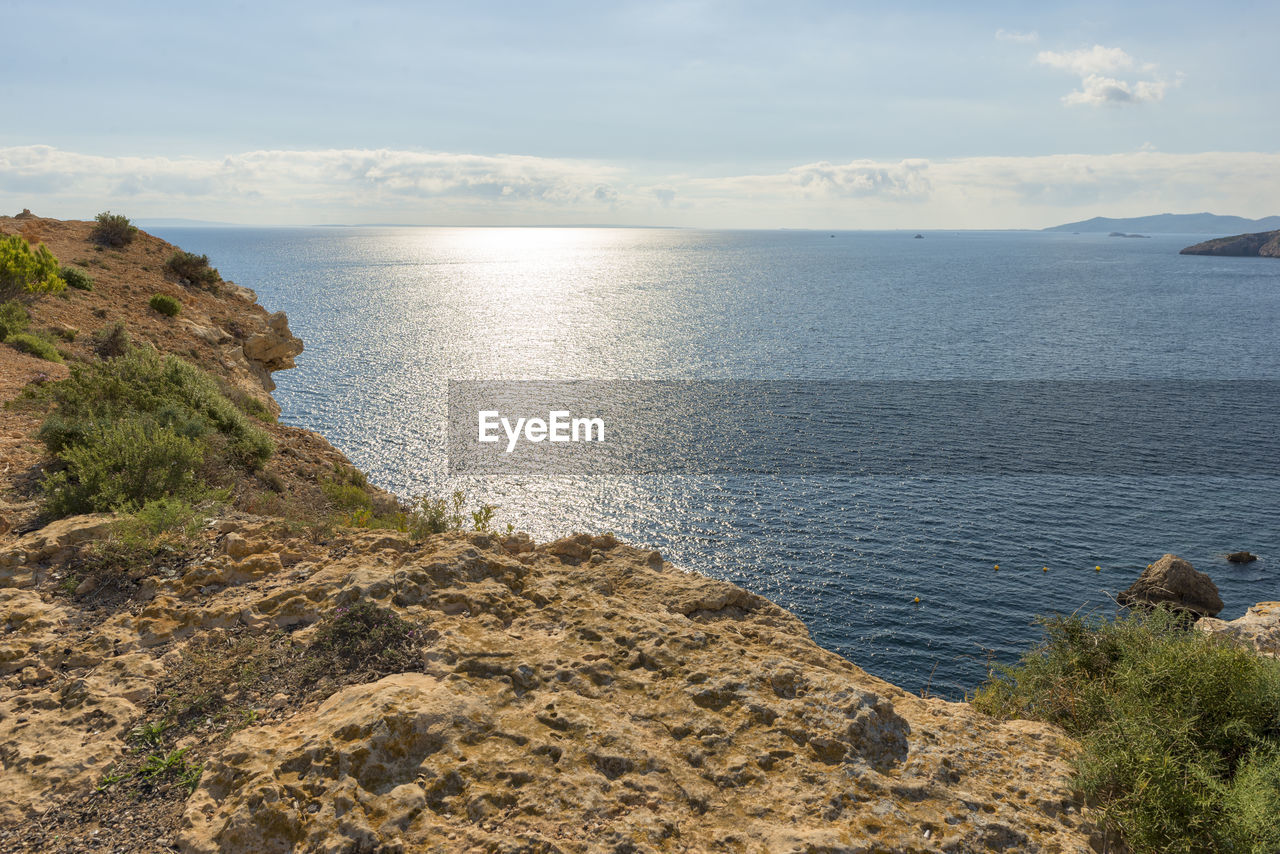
(1197, 223)
(1263, 244)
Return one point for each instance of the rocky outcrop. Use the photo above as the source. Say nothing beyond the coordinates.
(1259, 627)
(1264, 244)
(1172, 581)
(272, 349)
(576, 696)
(1242, 557)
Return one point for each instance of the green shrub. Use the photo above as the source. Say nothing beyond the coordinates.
(77, 278)
(172, 413)
(34, 345)
(192, 269)
(438, 515)
(165, 304)
(113, 230)
(13, 318)
(27, 271)
(122, 465)
(1180, 729)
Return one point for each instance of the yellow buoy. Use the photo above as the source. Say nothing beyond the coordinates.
(1097, 569)
(1044, 569)
(917, 600)
(997, 567)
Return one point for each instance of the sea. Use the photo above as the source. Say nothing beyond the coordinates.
(892, 564)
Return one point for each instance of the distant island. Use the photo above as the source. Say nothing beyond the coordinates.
(1199, 223)
(1122, 234)
(1263, 244)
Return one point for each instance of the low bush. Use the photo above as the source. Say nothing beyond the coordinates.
(365, 636)
(113, 230)
(165, 304)
(77, 278)
(34, 345)
(137, 428)
(434, 515)
(111, 341)
(25, 271)
(192, 269)
(1180, 729)
(122, 465)
(13, 319)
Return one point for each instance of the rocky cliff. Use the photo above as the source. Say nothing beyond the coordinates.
(266, 684)
(1263, 244)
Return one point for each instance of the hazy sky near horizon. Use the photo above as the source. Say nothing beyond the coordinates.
(717, 114)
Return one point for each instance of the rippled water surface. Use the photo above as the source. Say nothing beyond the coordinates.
(390, 315)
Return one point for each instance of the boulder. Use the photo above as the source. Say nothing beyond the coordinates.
(1242, 557)
(1174, 582)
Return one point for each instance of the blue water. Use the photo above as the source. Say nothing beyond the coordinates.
(390, 315)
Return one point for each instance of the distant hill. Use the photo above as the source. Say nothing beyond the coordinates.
(1199, 223)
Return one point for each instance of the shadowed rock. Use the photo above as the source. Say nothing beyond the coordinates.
(1174, 582)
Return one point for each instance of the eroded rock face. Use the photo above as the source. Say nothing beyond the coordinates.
(275, 347)
(580, 697)
(575, 696)
(1174, 582)
(1259, 627)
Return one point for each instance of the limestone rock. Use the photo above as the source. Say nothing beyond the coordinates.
(1259, 627)
(1242, 557)
(1174, 582)
(567, 706)
(275, 348)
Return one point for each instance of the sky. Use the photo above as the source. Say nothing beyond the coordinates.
(705, 114)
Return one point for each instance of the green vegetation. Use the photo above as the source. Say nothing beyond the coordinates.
(34, 345)
(25, 271)
(13, 319)
(1181, 730)
(77, 278)
(113, 230)
(192, 269)
(246, 403)
(165, 304)
(438, 515)
(140, 427)
(159, 528)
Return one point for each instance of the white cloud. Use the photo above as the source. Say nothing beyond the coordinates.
(1097, 67)
(354, 176)
(1096, 89)
(1086, 61)
(301, 187)
(1019, 37)
(903, 180)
